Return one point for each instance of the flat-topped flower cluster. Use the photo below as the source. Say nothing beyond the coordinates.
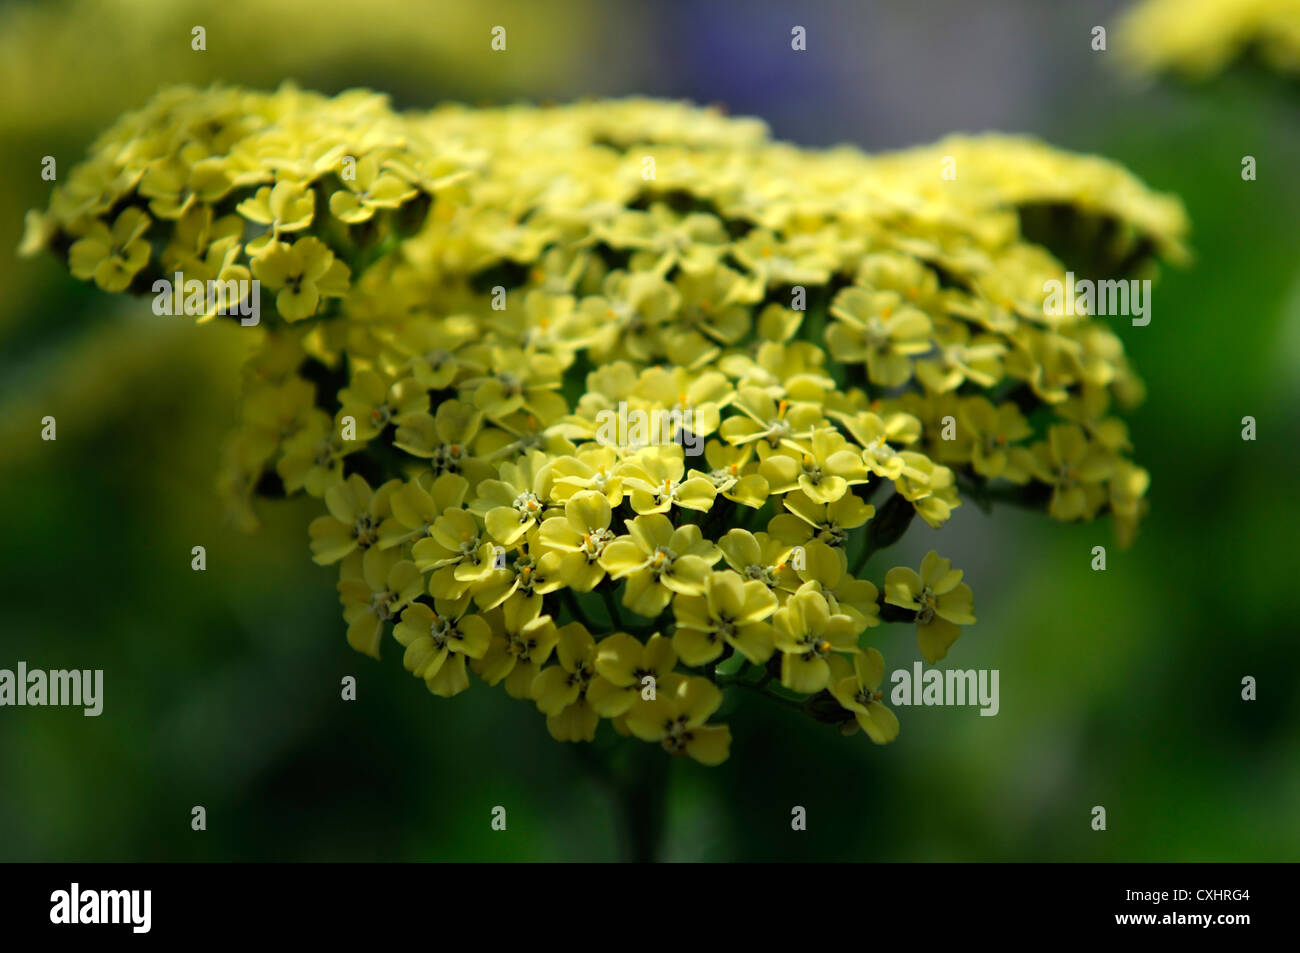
(462, 297)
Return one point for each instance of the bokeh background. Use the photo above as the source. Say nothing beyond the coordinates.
(1119, 689)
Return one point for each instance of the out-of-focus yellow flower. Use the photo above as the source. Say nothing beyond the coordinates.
(112, 256)
(1198, 38)
(302, 274)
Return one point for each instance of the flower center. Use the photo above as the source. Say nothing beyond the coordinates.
(676, 735)
(324, 453)
(447, 457)
(776, 429)
(866, 697)
(811, 469)
(875, 333)
(365, 531)
(442, 630)
(661, 561)
(381, 604)
(528, 506)
(593, 543)
(815, 647)
(831, 535)
(925, 615)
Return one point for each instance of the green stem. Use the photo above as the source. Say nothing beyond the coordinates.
(642, 799)
(635, 778)
(885, 529)
(761, 689)
(611, 606)
(575, 610)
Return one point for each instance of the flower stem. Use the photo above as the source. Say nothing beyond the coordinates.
(642, 799)
(575, 609)
(611, 606)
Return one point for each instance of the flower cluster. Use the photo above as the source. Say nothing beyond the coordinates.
(843, 342)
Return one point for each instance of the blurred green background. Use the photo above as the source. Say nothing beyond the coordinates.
(1119, 689)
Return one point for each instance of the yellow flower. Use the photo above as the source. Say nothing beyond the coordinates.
(734, 475)
(561, 690)
(521, 644)
(355, 513)
(677, 718)
(374, 402)
(369, 191)
(941, 601)
(387, 584)
(858, 692)
(458, 553)
(823, 467)
(1128, 487)
(959, 358)
(112, 256)
(1076, 470)
(763, 418)
(438, 641)
(592, 468)
(174, 185)
(828, 568)
(302, 274)
(520, 381)
(515, 503)
(877, 327)
(993, 431)
(581, 534)
(880, 438)
(629, 673)
(709, 316)
(313, 457)
(658, 560)
(759, 556)
(528, 574)
(418, 504)
(775, 262)
(653, 482)
(730, 612)
(806, 633)
(1199, 38)
(284, 207)
(445, 439)
(829, 523)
